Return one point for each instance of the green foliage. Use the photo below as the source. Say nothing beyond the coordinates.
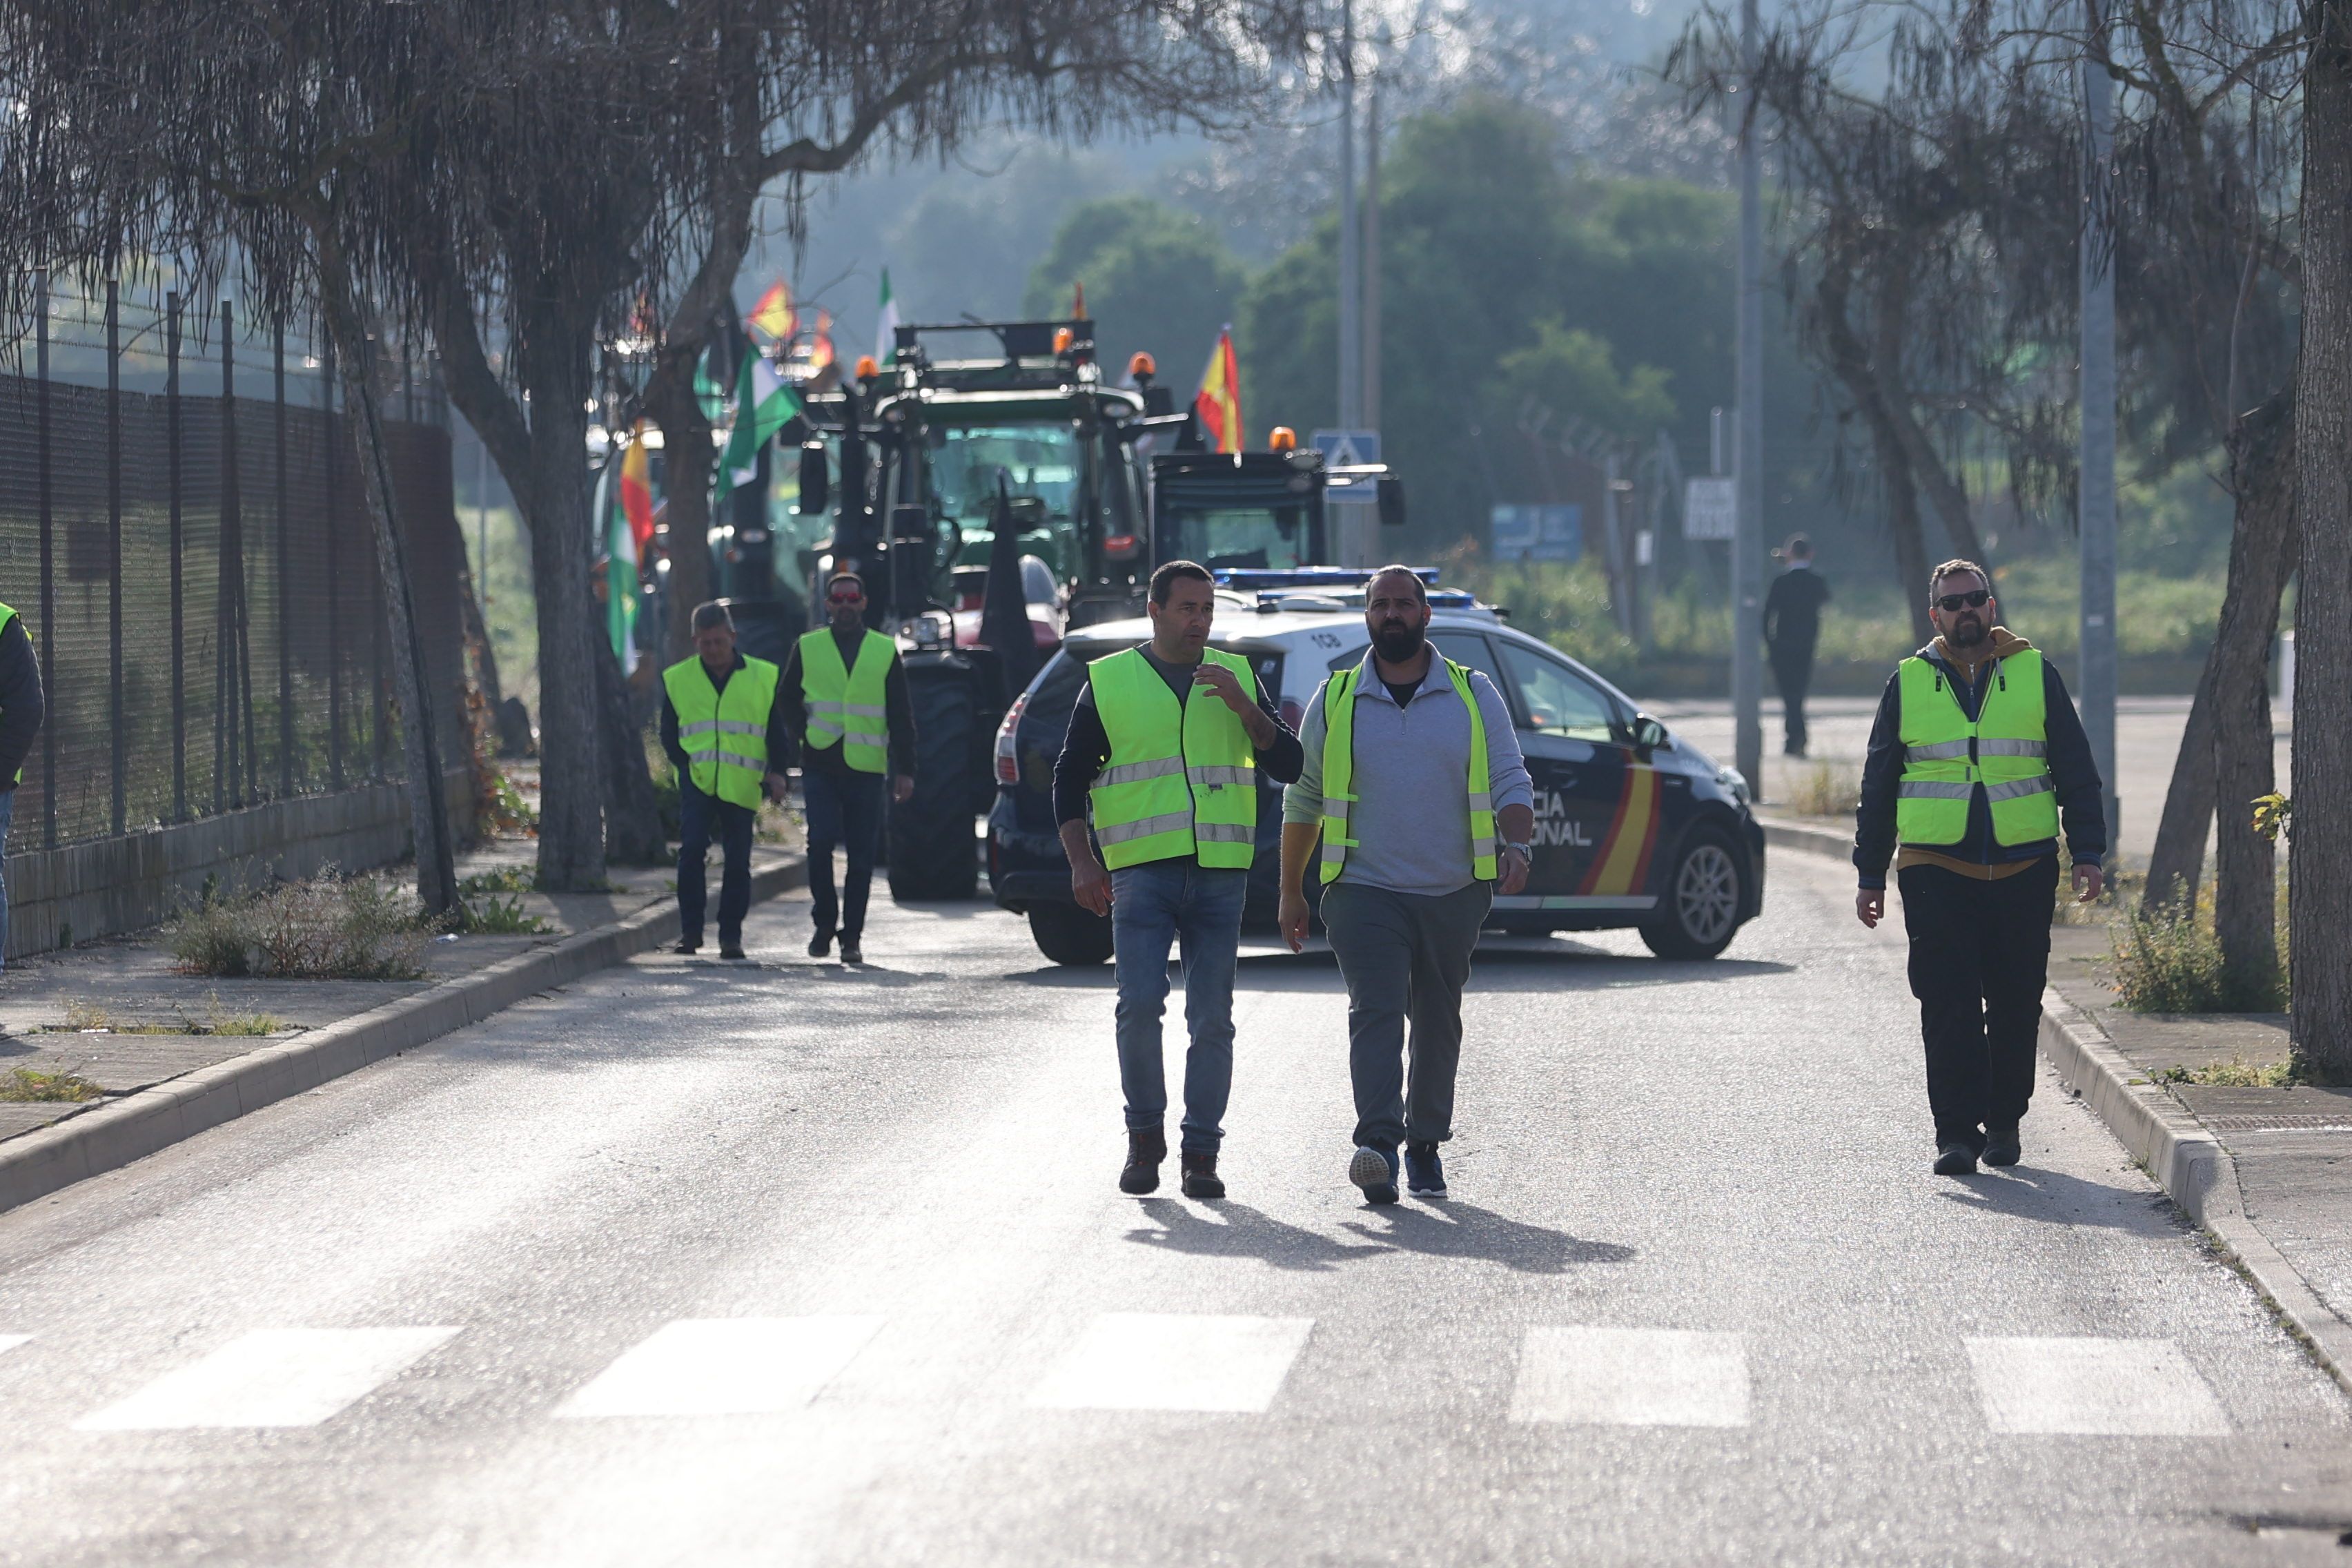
(1564, 602)
(1574, 372)
(503, 916)
(329, 927)
(518, 878)
(2235, 1073)
(2170, 962)
(21, 1086)
(1156, 279)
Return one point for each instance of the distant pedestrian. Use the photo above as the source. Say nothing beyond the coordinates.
(1164, 749)
(845, 697)
(722, 728)
(21, 712)
(1976, 752)
(1413, 782)
(1793, 628)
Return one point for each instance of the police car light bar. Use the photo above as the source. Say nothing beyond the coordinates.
(1244, 579)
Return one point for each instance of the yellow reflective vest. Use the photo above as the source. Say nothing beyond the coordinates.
(1181, 781)
(1946, 757)
(847, 704)
(1340, 772)
(724, 734)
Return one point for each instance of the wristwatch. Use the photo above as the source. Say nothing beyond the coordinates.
(1527, 851)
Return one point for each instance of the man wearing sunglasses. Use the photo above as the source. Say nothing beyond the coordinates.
(1976, 754)
(844, 695)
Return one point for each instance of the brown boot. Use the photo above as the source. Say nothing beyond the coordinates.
(1144, 1150)
(1201, 1175)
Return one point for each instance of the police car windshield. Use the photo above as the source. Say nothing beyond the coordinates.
(1039, 460)
(1271, 536)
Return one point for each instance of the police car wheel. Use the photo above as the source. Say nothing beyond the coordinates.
(1068, 934)
(1699, 904)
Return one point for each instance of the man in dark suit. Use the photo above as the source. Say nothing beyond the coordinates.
(1792, 625)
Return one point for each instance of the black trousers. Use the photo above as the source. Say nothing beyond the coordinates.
(844, 809)
(1979, 954)
(1792, 671)
(703, 817)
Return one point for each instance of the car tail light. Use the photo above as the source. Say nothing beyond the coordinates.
(1121, 546)
(1008, 760)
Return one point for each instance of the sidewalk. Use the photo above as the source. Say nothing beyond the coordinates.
(82, 1011)
(2268, 1172)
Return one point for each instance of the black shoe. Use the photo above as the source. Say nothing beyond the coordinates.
(1144, 1150)
(820, 944)
(851, 953)
(1955, 1159)
(734, 950)
(1374, 1168)
(1424, 1173)
(1201, 1175)
(2001, 1146)
(686, 947)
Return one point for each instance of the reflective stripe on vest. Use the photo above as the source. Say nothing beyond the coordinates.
(1339, 776)
(847, 704)
(723, 733)
(1181, 781)
(1946, 758)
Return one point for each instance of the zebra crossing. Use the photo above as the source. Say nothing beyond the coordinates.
(1567, 1375)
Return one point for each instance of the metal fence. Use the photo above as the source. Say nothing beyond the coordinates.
(195, 567)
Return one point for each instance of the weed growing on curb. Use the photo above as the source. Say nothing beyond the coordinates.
(494, 917)
(23, 1086)
(1825, 790)
(2235, 1073)
(2170, 962)
(329, 927)
(504, 879)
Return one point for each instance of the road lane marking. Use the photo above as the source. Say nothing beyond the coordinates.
(2097, 1387)
(271, 1377)
(725, 1366)
(1631, 1377)
(1170, 1361)
(10, 1342)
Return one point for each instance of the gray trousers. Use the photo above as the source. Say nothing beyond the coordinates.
(1404, 954)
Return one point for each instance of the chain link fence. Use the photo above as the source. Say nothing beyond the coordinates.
(183, 528)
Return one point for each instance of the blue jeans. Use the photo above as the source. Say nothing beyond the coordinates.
(702, 817)
(1153, 905)
(844, 811)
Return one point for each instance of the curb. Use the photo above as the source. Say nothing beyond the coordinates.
(2193, 1168)
(1784, 835)
(162, 1114)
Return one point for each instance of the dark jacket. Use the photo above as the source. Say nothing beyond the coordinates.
(21, 704)
(2082, 796)
(1087, 747)
(778, 739)
(1792, 613)
(898, 714)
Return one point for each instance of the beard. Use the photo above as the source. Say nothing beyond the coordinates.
(1397, 642)
(1968, 631)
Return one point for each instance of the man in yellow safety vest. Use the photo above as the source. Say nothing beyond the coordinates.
(844, 695)
(721, 726)
(1164, 750)
(1414, 785)
(1976, 752)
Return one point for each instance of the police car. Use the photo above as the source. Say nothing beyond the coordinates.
(1633, 827)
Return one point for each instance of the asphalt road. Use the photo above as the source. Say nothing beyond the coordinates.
(696, 1265)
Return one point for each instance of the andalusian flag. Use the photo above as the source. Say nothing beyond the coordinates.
(774, 313)
(886, 325)
(763, 406)
(1218, 403)
(626, 531)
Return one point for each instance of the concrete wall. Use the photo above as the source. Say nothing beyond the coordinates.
(111, 885)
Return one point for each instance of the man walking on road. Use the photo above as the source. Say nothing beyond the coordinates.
(1976, 752)
(1165, 745)
(21, 712)
(845, 694)
(720, 725)
(1792, 626)
(1413, 782)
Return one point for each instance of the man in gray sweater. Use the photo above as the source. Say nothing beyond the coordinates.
(1413, 783)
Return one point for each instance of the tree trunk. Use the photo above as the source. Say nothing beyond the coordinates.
(633, 834)
(477, 637)
(2320, 857)
(1852, 364)
(2177, 863)
(2261, 555)
(688, 462)
(420, 735)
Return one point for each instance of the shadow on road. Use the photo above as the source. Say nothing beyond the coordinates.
(2026, 1193)
(1459, 1230)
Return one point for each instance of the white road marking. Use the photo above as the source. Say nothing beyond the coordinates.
(1631, 1377)
(10, 1342)
(725, 1366)
(1166, 1361)
(2101, 1387)
(271, 1377)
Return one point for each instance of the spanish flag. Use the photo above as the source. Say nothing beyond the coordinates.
(774, 313)
(1219, 405)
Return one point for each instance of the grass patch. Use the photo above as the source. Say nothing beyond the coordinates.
(327, 927)
(495, 917)
(1825, 789)
(24, 1086)
(2170, 962)
(2235, 1073)
(517, 878)
(88, 1017)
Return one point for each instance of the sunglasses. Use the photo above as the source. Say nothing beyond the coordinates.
(1952, 602)
(850, 598)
